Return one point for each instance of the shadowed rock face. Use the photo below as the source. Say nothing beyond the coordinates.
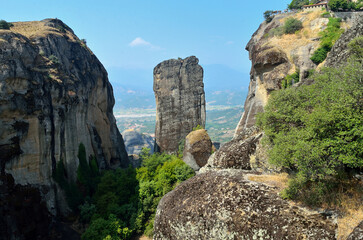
(197, 149)
(223, 205)
(180, 101)
(54, 95)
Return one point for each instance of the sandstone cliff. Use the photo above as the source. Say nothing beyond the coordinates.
(54, 95)
(180, 101)
(135, 142)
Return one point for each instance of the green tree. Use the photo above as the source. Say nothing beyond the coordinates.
(5, 25)
(268, 16)
(297, 4)
(336, 4)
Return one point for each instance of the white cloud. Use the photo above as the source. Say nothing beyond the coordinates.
(229, 42)
(139, 42)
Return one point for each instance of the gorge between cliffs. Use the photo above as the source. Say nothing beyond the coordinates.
(293, 169)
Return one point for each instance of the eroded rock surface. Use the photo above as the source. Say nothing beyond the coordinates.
(180, 101)
(135, 142)
(54, 95)
(223, 205)
(357, 233)
(234, 154)
(197, 149)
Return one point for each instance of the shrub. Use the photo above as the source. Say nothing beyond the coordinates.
(356, 47)
(336, 4)
(279, 31)
(292, 25)
(54, 59)
(268, 16)
(198, 127)
(289, 80)
(316, 130)
(5, 25)
(297, 4)
(328, 38)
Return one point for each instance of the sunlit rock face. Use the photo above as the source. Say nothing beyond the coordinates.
(54, 95)
(180, 101)
(224, 205)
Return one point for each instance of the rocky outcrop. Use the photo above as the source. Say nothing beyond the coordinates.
(180, 101)
(224, 205)
(274, 57)
(54, 95)
(234, 154)
(340, 51)
(357, 232)
(197, 149)
(135, 142)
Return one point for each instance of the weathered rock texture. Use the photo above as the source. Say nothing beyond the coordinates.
(180, 101)
(357, 233)
(340, 51)
(223, 205)
(197, 149)
(273, 58)
(234, 154)
(54, 95)
(135, 142)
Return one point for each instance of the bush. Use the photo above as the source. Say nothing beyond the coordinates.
(336, 4)
(5, 25)
(289, 80)
(328, 38)
(198, 127)
(297, 4)
(317, 130)
(292, 25)
(356, 47)
(268, 16)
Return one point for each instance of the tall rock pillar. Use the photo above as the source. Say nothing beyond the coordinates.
(180, 101)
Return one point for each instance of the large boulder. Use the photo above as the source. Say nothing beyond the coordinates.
(234, 154)
(197, 149)
(224, 205)
(180, 101)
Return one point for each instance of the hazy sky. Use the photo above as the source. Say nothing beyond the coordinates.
(131, 37)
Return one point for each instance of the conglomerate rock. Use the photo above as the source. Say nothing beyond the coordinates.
(54, 95)
(224, 205)
(180, 101)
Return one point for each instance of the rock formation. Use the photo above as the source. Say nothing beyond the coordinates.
(135, 142)
(54, 95)
(357, 232)
(223, 205)
(180, 101)
(234, 154)
(220, 202)
(197, 149)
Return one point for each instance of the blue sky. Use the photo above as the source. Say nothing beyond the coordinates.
(131, 37)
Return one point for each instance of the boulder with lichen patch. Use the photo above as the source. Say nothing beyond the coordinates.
(224, 205)
(197, 149)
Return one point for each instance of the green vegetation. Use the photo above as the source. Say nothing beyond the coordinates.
(298, 4)
(5, 25)
(336, 5)
(268, 16)
(54, 59)
(289, 80)
(316, 131)
(292, 25)
(328, 38)
(198, 127)
(118, 204)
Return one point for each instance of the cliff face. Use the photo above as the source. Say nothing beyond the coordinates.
(223, 201)
(180, 101)
(54, 95)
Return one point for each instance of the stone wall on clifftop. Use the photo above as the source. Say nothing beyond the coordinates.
(54, 95)
(180, 101)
